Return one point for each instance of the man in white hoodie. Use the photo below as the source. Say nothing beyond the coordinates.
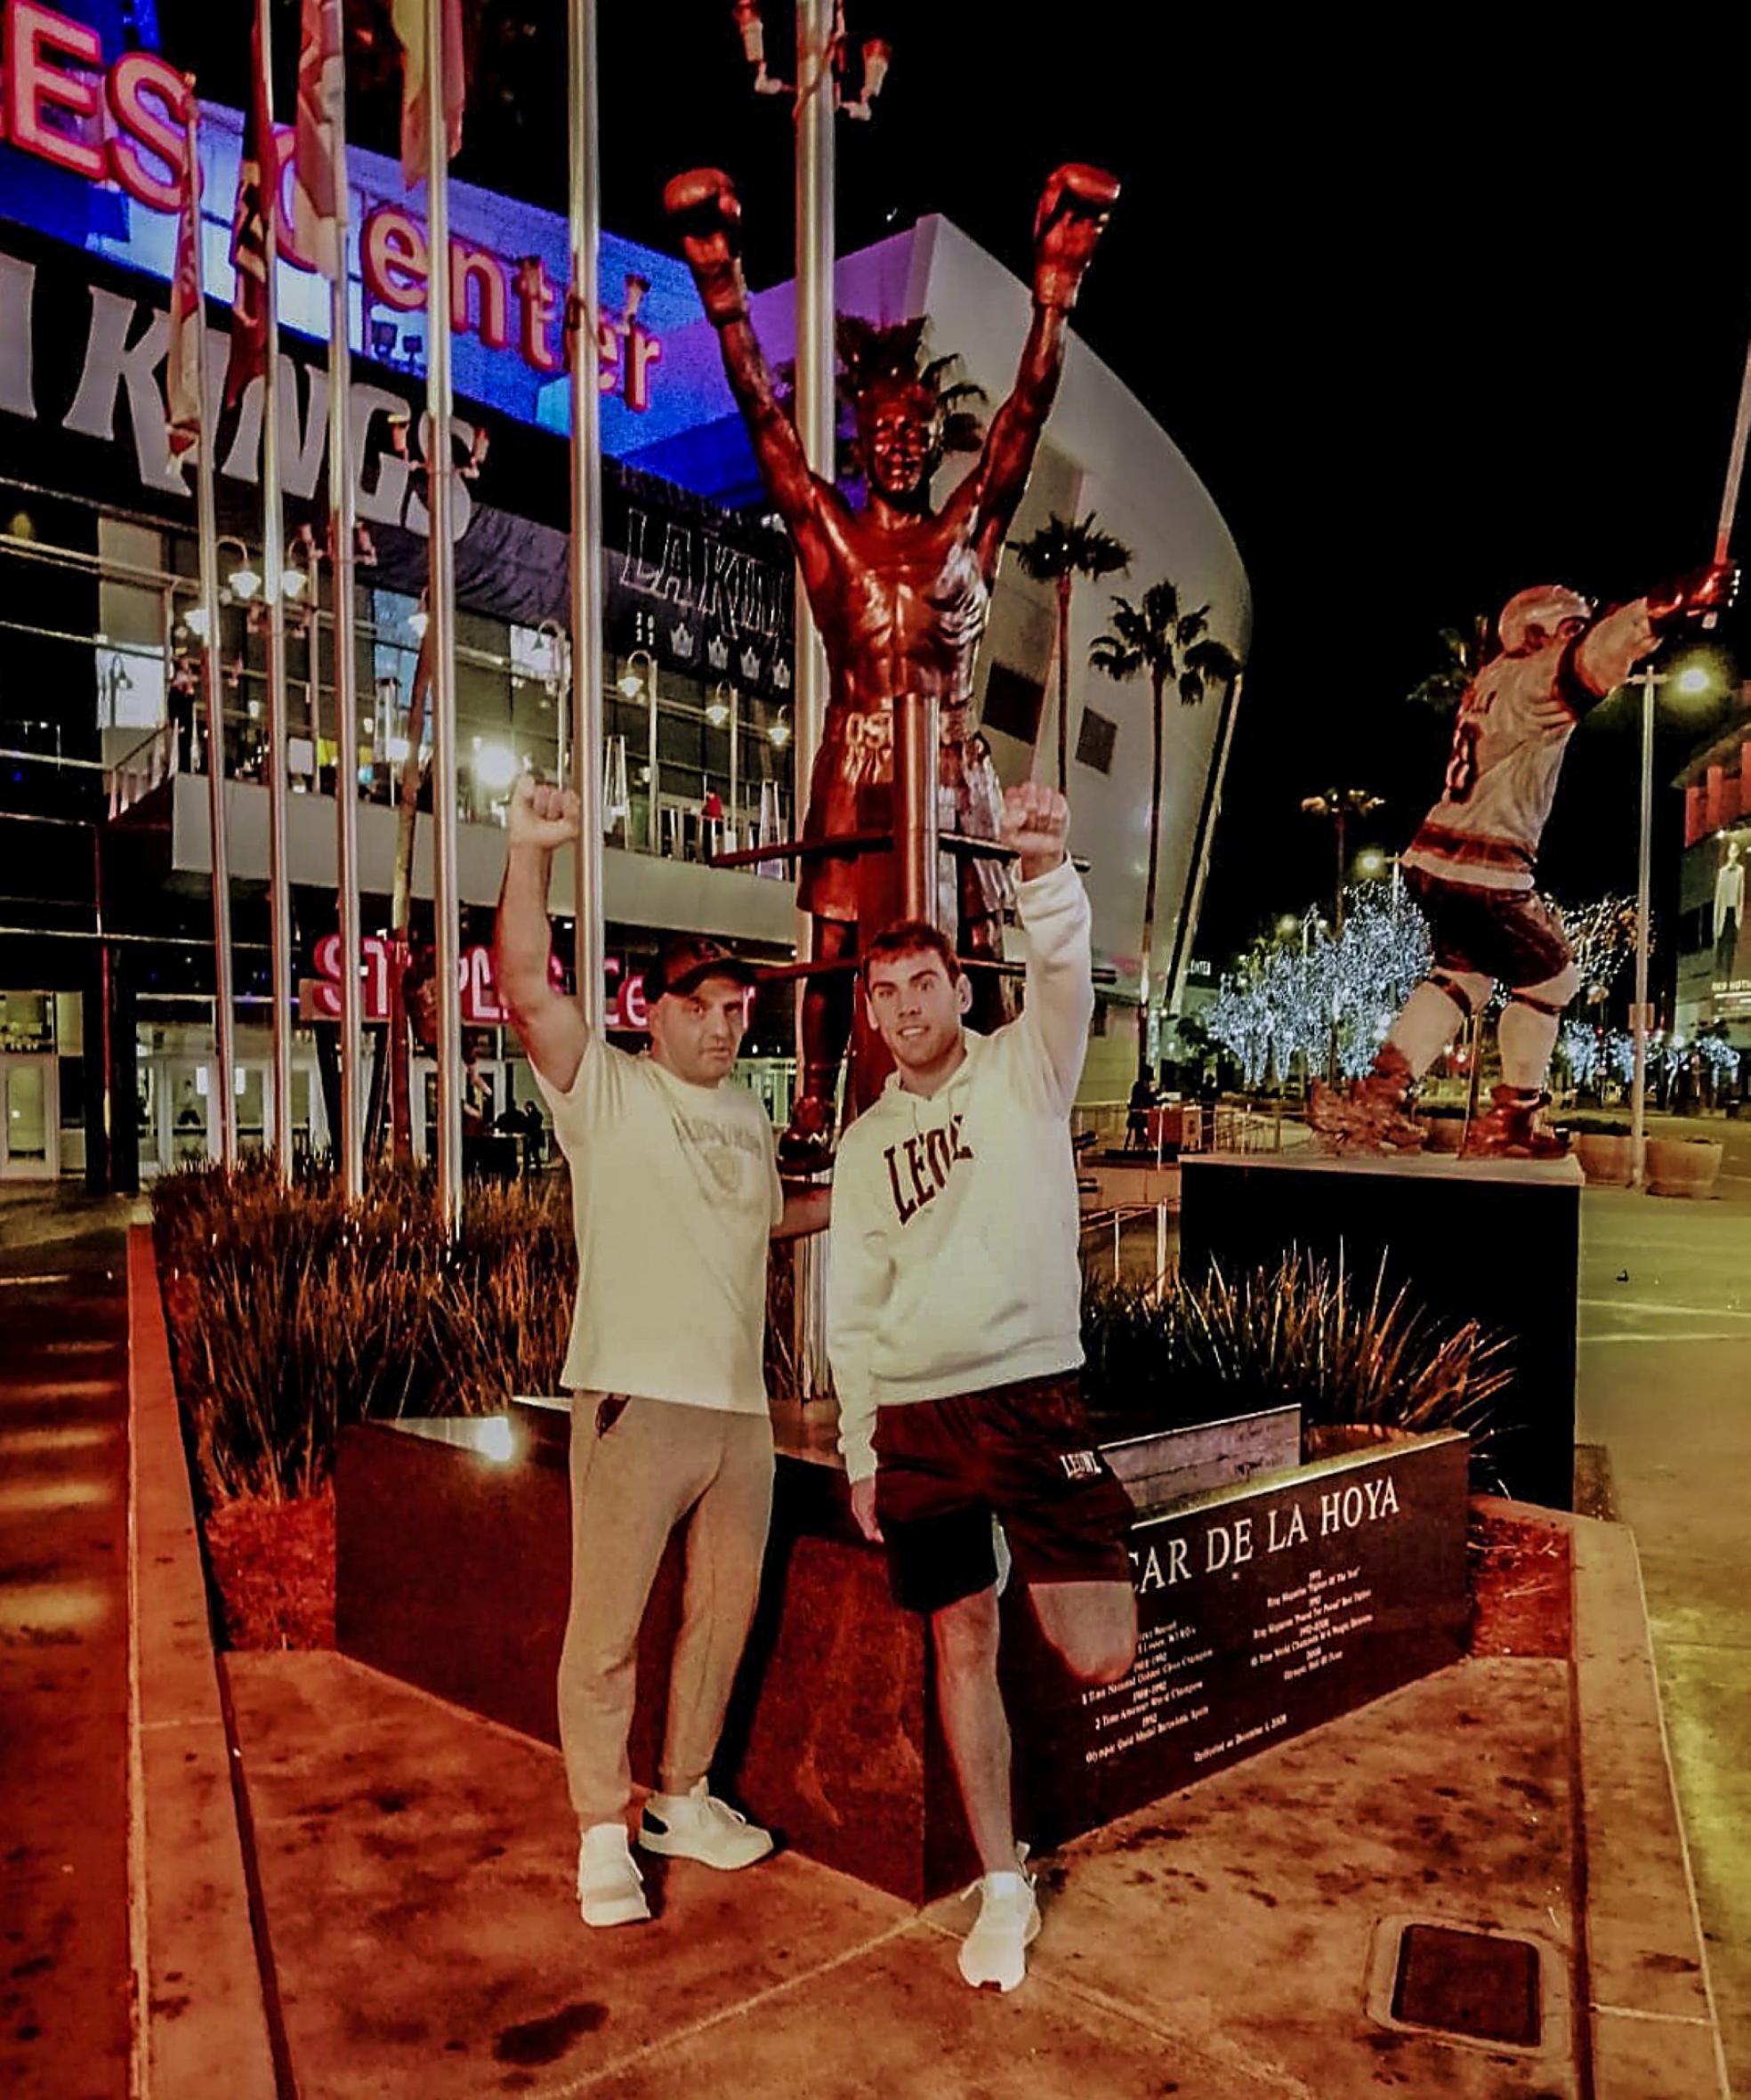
(954, 1325)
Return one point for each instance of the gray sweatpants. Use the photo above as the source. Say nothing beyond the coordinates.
(631, 1483)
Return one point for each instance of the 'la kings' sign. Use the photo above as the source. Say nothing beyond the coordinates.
(85, 361)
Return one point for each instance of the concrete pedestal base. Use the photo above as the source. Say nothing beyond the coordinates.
(1265, 1607)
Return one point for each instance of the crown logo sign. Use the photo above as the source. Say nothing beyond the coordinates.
(750, 666)
(681, 639)
(781, 675)
(717, 653)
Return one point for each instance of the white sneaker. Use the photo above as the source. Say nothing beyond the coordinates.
(994, 1955)
(697, 1826)
(611, 1889)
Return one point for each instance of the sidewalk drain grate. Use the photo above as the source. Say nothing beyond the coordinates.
(1479, 1985)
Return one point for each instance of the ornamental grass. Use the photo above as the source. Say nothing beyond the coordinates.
(1353, 1356)
(292, 1316)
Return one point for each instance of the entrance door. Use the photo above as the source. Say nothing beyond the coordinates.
(29, 1120)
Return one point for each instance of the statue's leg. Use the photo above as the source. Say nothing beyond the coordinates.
(807, 1145)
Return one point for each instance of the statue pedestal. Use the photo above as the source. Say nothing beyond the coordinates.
(1266, 1606)
(1498, 1241)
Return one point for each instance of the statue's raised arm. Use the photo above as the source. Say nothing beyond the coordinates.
(708, 213)
(1073, 212)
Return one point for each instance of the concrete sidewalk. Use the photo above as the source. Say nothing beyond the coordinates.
(1665, 1390)
(408, 1873)
(1230, 1943)
(415, 1864)
(64, 2015)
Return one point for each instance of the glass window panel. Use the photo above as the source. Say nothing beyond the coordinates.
(26, 1107)
(131, 688)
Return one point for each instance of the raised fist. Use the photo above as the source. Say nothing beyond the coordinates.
(1073, 212)
(1036, 823)
(704, 204)
(543, 817)
(1704, 592)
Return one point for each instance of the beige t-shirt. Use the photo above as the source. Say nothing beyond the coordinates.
(674, 1192)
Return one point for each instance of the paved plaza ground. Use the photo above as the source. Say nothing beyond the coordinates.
(412, 1864)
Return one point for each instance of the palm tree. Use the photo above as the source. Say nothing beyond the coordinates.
(1173, 648)
(1060, 552)
(1463, 652)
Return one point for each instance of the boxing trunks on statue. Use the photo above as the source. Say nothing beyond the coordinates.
(851, 790)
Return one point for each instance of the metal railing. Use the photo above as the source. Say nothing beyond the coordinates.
(1176, 1128)
(142, 767)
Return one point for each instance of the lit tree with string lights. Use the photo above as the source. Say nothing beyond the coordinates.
(1302, 1000)
(1603, 936)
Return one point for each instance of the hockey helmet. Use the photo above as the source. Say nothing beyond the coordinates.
(1531, 619)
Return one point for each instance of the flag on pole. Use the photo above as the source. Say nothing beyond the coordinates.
(317, 157)
(249, 232)
(187, 319)
(409, 19)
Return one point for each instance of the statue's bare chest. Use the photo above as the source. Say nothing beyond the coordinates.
(924, 591)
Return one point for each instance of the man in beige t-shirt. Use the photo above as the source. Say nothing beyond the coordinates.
(676, 1197)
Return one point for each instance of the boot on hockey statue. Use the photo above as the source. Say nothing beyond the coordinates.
(1515, 1129)
(1375, 1115)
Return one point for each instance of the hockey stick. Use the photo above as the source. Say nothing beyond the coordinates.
(1735, 472)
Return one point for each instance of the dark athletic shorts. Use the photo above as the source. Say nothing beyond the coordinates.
(1022, 1453)
(1511, 936)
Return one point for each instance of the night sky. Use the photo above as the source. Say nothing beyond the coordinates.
(1433, 318)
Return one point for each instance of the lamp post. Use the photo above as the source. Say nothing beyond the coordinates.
(1339, 805)
(1693, 681)
(631, 686)
(721, 711)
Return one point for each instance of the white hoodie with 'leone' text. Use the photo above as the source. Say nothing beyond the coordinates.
(952, 1256)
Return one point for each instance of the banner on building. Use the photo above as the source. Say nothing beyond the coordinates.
(1729, 980)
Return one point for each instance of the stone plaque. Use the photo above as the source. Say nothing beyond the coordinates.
(1263, 1611)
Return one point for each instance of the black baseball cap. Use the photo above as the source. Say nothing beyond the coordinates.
(684, 964)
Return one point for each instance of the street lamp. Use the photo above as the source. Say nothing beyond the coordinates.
(877, 55)
(631, 686)
(244, 579)
(1340, 805)
(1692, 680)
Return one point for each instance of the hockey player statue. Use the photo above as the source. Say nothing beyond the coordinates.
(899, 590)
(1470, 865)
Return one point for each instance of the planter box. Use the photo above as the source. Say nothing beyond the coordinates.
(1265, 1609)
(1684, 1166)
(1446, 1134)
(1607, 1161)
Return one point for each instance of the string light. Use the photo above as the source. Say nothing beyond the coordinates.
(1294, 1001)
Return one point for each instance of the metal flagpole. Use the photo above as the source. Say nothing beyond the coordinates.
(441, 609)
(816, 424)
(273, 562)
(207, 512)
(1642, 1021)
(816, 355)
(344, 526)
(584, 211)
